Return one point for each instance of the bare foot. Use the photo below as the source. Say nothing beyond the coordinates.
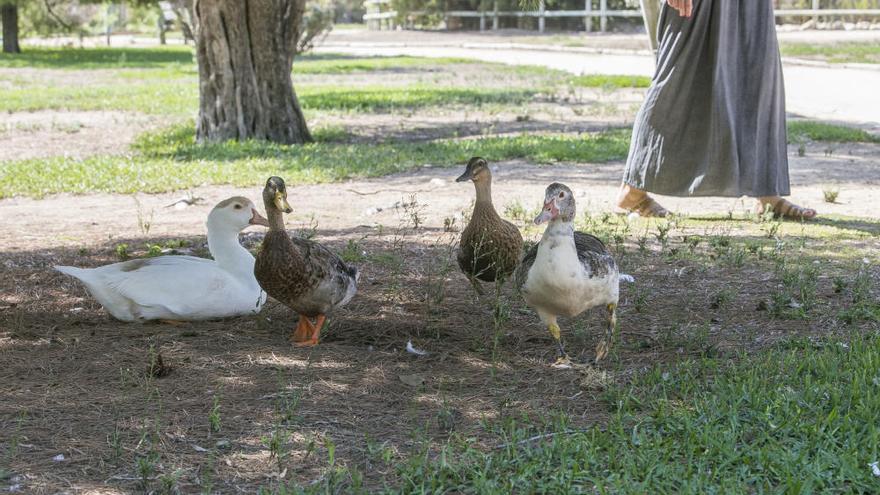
(638, 201)
(784, 208)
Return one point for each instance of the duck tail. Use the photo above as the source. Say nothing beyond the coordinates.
(72, 271)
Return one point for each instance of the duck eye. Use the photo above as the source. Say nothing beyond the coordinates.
(562, 194)
(237, 206)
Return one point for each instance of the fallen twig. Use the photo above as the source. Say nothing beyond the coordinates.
(540, 437)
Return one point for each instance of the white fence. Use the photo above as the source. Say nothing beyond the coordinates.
(377, 19)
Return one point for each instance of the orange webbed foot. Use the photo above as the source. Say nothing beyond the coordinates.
(307, 333)
(302, 334)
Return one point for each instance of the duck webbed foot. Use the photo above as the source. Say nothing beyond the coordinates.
(562, 359)
(302, 334)
(307, 333)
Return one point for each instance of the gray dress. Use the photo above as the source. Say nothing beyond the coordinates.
(713, 120)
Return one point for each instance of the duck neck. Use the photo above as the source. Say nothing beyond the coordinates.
(484, 192)
(275, 217)
(227, 251)
(559, 228)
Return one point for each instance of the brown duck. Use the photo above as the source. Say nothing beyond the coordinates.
(490, 246)
(299, 273)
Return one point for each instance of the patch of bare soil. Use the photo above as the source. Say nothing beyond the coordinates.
(49, 133)
(75, 383)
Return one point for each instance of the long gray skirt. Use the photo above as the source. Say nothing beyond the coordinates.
(713, 120)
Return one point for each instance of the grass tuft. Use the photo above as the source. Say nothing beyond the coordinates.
(610, 82)
(855, 52)
(801, 130)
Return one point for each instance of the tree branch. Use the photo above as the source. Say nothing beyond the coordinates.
(56, 17)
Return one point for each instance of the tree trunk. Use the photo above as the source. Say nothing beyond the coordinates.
(9, 13)
(245, 52)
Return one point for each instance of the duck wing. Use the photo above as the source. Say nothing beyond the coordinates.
(522, 271)
(593, 255)
(176, 287)
(332, 281)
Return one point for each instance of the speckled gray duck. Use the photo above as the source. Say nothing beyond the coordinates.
(568, 272)
(300, 273)
(490, 246)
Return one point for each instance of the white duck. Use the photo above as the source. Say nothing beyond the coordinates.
(185, 288)
(568, 272)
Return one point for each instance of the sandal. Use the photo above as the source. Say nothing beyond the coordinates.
(783, 208)
(647, 207)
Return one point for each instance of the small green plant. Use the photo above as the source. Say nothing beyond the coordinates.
(153, 250)
(214, 416)
(353, 252)
(721, 299)
(770, 224)
(516, 211)
(830, 195)
(122, 251)
(798, 293)
(863, 307)
(662, 235)
(310, 230)
(277, 443)
(642, 243)
(414, 210)
(168, 482)
(114, 441)
(144, 218)
(145, 467)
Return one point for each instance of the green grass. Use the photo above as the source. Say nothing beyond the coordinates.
(138, 93)
(180, 97)
(610, 82)
(163, 81)
(341, 64)
(98, 58)
(171, 160)
(376, 98)
(183, 56)
(802, 130)
(802, 417)
(862, 53)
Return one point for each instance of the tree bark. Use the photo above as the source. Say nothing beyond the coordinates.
(245, 51)
(9, 13)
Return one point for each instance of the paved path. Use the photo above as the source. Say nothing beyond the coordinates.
(847, 95)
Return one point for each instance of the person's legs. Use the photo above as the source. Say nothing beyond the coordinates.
(637, 201)
(784, 208)
(651, 14)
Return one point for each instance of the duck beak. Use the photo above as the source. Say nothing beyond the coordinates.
(281, 202)
(257, 219)
(549, 212)
(466, 176)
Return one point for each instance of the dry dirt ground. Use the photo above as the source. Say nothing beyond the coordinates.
(75, 383)
(49, 133)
